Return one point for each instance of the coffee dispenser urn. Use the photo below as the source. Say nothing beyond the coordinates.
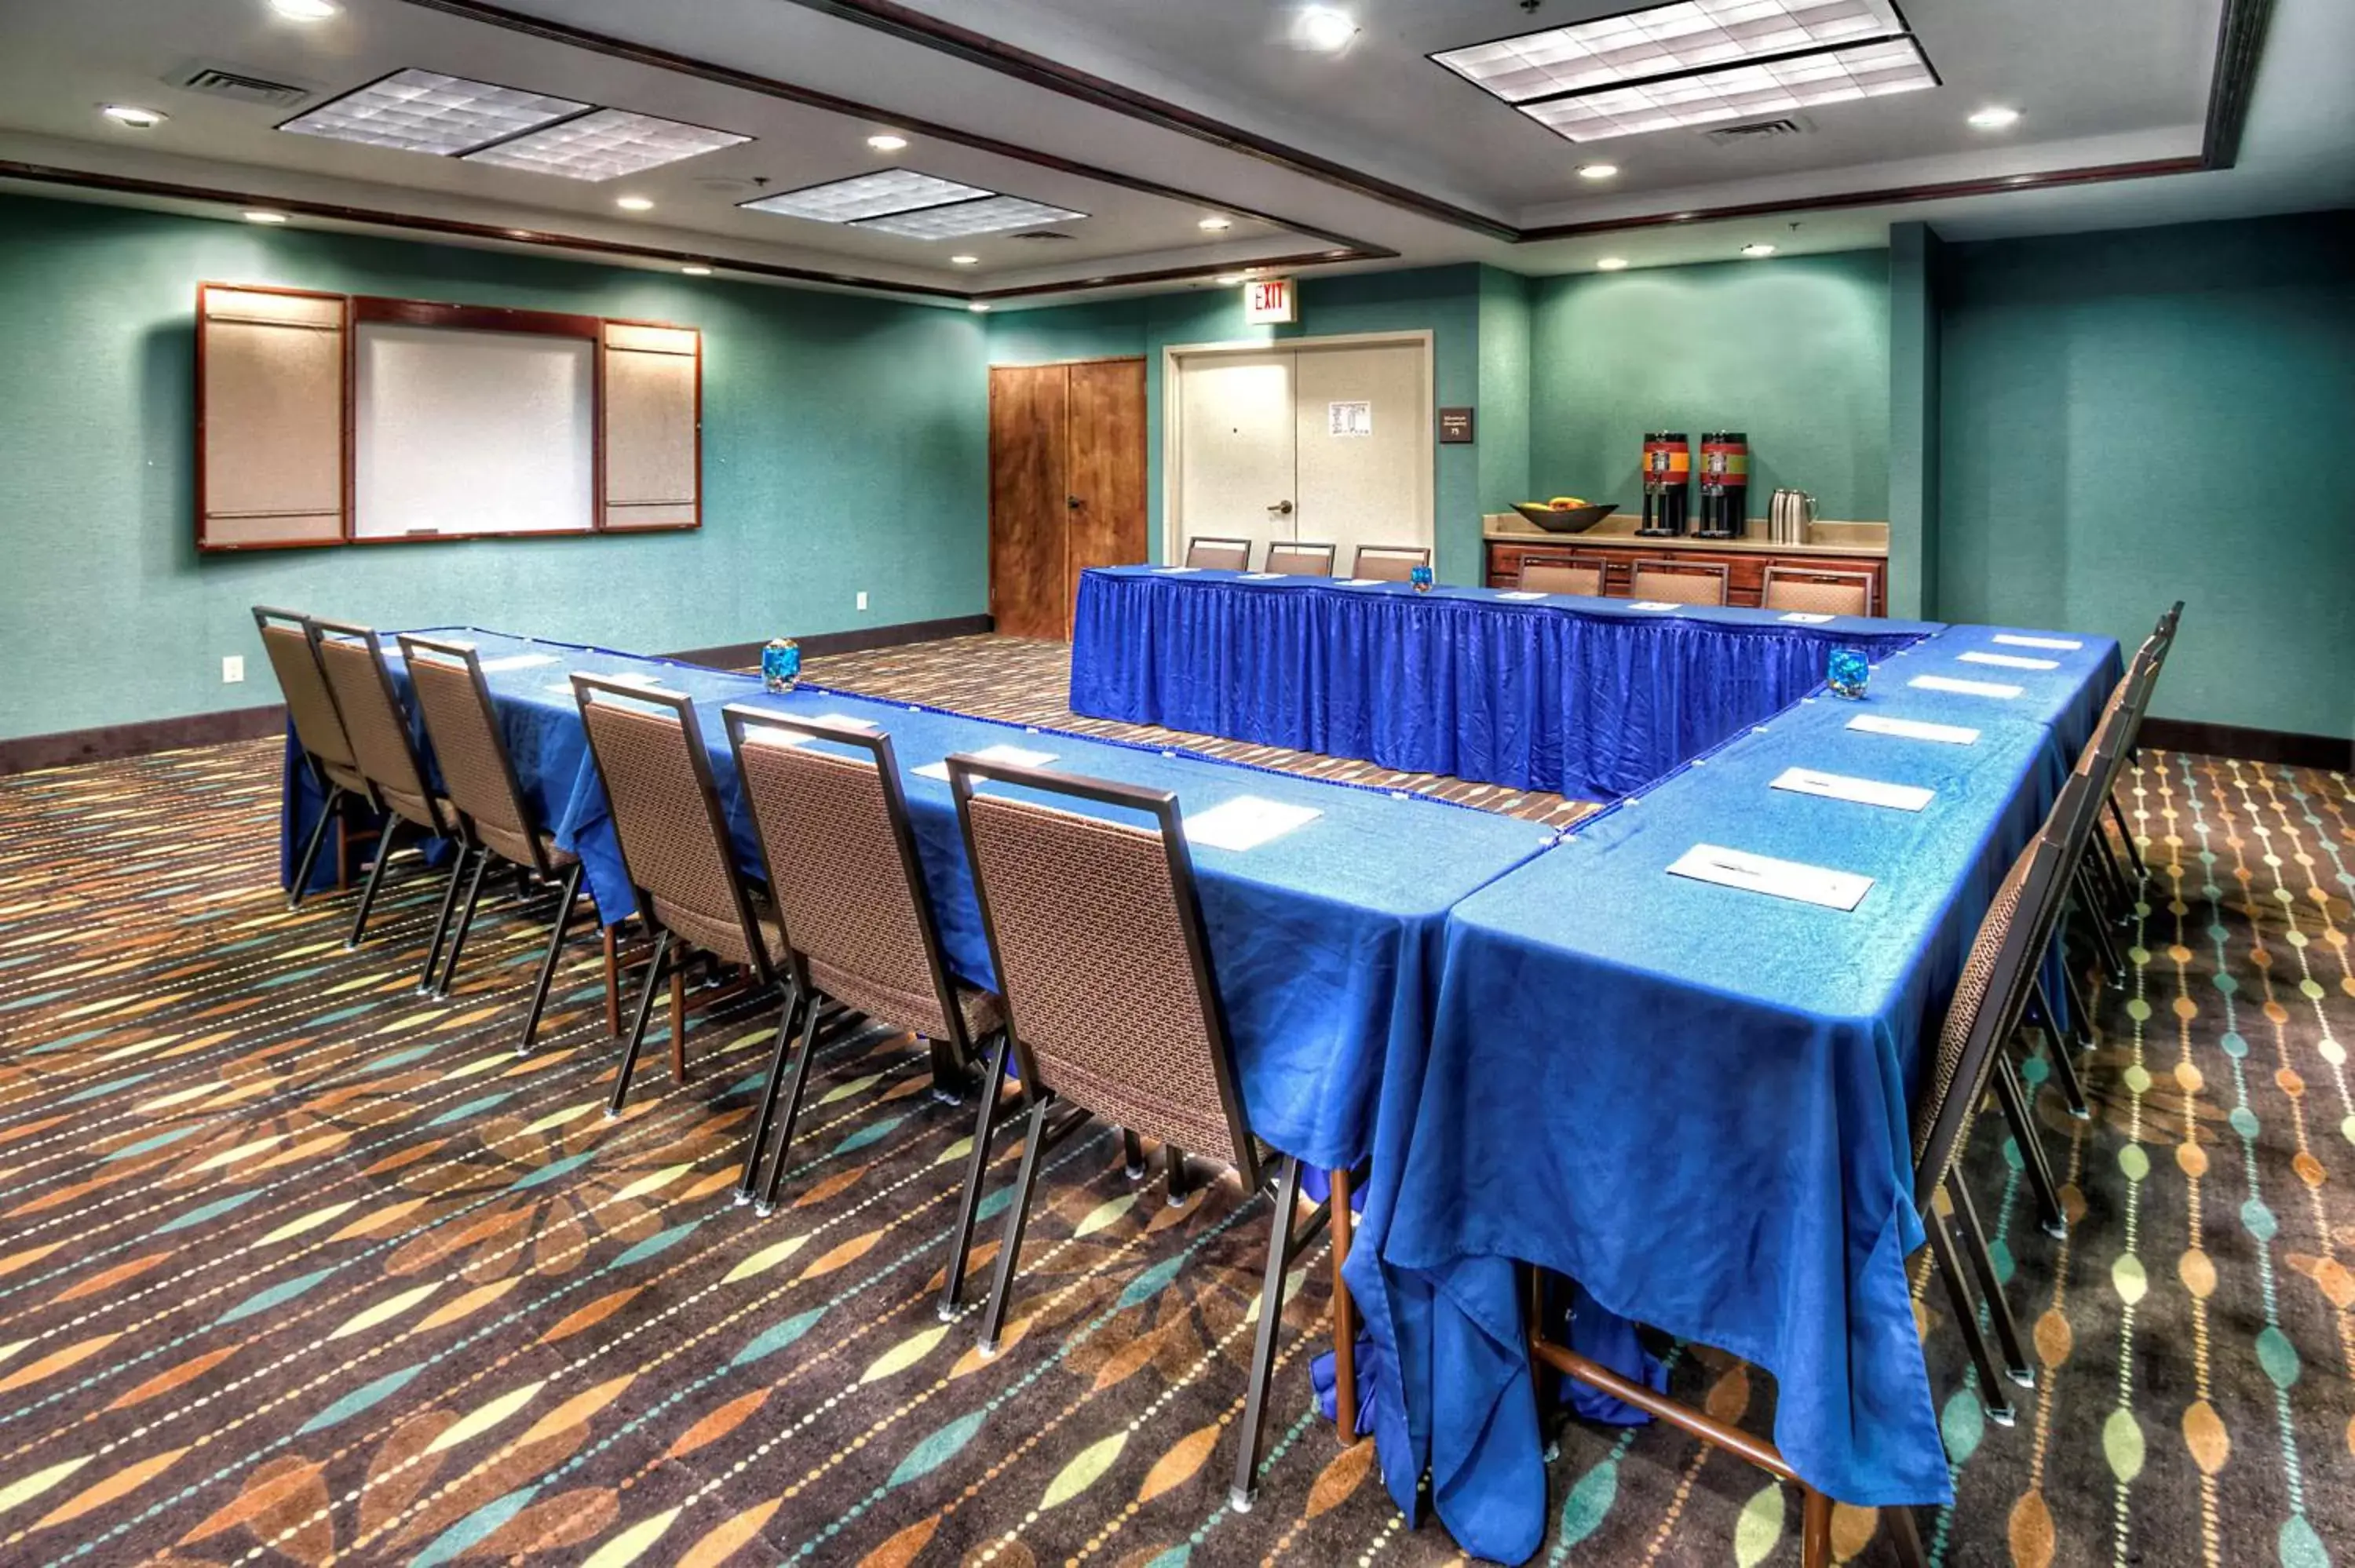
(1724, 484)
(1668, 474)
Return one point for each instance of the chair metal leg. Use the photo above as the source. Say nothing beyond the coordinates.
(1132, 1149)
(566, 896)
(2126, 834)
(1018, 1216)
(794, 1088)
(385, 846)
(1345, 1318)
(2114, 877)
(2080, 1013)
(2016, 1110)
(1975, 1248)
(1904, 1536)
(466, 923)
(613, 981)
(1814, 1529)
(976, 1165)
(1271, 1309)
(311, 849)
(2098, 928)
(638, 1028)
(2064, 1073)
(678, 1015)
(1181, 1176)
(1949, 1268)
(787, 1023)
(441, 921)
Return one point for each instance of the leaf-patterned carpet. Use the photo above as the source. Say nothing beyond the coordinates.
(297, 1267)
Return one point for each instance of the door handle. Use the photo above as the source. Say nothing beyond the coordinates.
(1072, 502)
(1282, 509)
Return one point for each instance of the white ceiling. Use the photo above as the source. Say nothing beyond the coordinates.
(2098, 83)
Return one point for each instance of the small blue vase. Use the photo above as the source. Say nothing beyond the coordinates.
(780, 664)
(1421, 578)
(1848, 673)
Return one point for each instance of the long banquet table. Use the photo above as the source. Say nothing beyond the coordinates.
(1587, 697)
(1696, 1100)
(1326, 941)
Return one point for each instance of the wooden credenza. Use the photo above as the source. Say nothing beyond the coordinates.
(1746, 567)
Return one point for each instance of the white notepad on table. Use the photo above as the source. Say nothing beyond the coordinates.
(1521, 593)
(1808, 618)
(1650, 604)
(1358, 582)
(1863, 791)
(1965, 688)
(1246, 822)
(517, 662)
(1915, 729)
(1012, 755)
(2014, 639)
(1176, 571)
(2008, 661)
(770, 734)
(621, 678)
(1780, 878)
(1261, 577)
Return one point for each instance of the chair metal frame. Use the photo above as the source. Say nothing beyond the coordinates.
(1595, 564)
(1195, 542)
(1778, 571)
(316, 763)
(1321, 555)
(418, 651)
(1716, 570)
(1410, 555)
(1288, 1236)
(320, 628)
(667, 957)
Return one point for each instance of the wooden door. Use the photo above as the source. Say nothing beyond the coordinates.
(1030, 442)
(1106, 469)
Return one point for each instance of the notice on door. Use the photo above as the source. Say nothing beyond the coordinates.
(1349, 418)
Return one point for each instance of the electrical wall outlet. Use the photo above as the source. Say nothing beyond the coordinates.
(862, 598)
(232, 669)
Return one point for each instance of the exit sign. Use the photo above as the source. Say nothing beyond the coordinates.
(1271, 300)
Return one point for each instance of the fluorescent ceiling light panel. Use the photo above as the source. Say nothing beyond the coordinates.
(1688, 35)
(1739, 92)
(866, 195)
(425, 112)
(969, 217)
(605, 145)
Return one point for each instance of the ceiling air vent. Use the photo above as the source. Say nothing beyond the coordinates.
(222, 82)
(1758, 131)
(1045, 234)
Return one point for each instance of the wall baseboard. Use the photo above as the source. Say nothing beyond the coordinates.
(2330, 753)
(106, 741)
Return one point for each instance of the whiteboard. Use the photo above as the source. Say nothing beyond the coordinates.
(463, 431)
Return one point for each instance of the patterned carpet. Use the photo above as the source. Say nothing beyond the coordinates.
(296, 1267)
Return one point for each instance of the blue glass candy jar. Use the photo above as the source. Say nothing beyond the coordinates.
(1848, 673)
(780, 664)
(1421, 578)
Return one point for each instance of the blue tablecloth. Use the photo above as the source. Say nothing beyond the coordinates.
(2066, 698)
(1696, 1101)
(1326, 941)
(1587, 697)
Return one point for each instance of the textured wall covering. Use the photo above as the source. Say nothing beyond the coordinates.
(846, 448)
(1446, 300)
(2151, 414)
(1502, 433)
(1794, 351)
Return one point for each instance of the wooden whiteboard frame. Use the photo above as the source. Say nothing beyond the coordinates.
(359, 309)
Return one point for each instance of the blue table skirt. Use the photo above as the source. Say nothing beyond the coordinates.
(1586, 697)
(1696, 1101)
(1326, 941)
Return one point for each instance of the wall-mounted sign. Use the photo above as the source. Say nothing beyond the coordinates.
(1349, 418)
(1271, 300)
(1455, 426)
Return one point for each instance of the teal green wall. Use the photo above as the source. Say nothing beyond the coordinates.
(2139, 415)
(1502, 428)
(1914, 259)
(1444, 300)
(1794, 351)
(846, 448)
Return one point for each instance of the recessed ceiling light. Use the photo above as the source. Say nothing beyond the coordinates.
(1995, 117)
(1215, 223)
(635, 203)
(960, 220)
(605, 145)
(976, 306)
(1228, 281)
(964, 260)
(132, 115)
(304, 10)
(258, 216)
(694, 271)
(887, 143)
(1612, 264)
(1324, 28)
(1759, 247)
(1687, 36)
(866, 195)
(1597, 171)
(1335, 255)
(425, 112)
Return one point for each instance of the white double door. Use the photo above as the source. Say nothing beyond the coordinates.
(1303, 444)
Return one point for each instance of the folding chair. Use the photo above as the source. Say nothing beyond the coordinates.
(318, 728)
(1578, 574)
(1388, 563)
(1679, 582)
(1815, 590)
(1220, 555)
(1301, 560)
